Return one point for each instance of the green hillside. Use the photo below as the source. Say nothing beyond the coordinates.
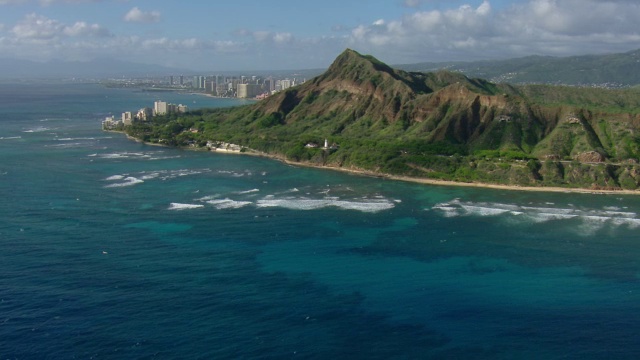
(611, 70)
(439, 125)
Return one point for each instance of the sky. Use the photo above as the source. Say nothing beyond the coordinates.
(307, 34)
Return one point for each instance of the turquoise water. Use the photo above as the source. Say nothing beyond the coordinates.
(115, 249)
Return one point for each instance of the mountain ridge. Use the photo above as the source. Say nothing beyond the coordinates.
(441, 125)
(610, 70)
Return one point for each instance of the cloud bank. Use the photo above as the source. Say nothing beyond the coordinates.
(425, 30)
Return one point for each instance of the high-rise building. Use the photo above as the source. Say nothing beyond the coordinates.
(247, 91)
(127, 118)
(160, 108)
(285, 84)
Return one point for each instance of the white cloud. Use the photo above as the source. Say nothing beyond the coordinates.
(38, 27)
(440, 32)
(282, 38)
(262, 36)
(81, 28)
(137, 15)
(548, 27)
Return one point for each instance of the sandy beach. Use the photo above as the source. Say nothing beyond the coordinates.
(462, 184)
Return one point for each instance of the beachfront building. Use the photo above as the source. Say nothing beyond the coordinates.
(163, 108)
(159, 108)
(127, 118)
(144, 114)
(110, 123)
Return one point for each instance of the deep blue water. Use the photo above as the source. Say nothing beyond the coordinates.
(115, 249)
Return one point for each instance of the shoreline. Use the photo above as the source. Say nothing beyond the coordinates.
(435, 182)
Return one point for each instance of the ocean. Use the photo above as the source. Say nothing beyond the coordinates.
(112, 249)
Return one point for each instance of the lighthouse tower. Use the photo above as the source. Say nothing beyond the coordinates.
(326, 144)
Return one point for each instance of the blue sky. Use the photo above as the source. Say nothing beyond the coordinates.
(294, 34)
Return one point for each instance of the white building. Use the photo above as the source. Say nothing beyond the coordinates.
(127, 118)
(159, 108)
(248, 91)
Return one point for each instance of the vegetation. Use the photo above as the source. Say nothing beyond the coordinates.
(612, 70)
(436, 125)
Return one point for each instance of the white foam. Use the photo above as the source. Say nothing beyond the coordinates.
(150, 176)
(54, 119)
(620, 214)
(363, 205)
(449, 211)
(592, 219)
(483, 210)
(179, 206)
(115, 177)
(113, 156)
(75, 139)
(208, 197)
(631, 223)
(37, 129)
(150, 156)
(172, 174)
(248, 191)
(128, 181)
(544, 217)
(10, 137)
(65, 145)
(228, 203)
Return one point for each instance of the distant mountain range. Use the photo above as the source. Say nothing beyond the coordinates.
(609, 70)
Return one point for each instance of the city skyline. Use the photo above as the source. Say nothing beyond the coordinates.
(261, 35)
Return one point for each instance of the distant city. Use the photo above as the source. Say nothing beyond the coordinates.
(237, 86)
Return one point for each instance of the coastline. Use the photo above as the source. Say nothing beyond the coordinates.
(360, 172)
(464, 184)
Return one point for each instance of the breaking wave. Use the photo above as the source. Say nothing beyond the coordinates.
(150, 156)
(179, 206)
(126, 181)
(364, 205)
(37, 129)
(592, 219)
(129, 180)
(227, 203)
